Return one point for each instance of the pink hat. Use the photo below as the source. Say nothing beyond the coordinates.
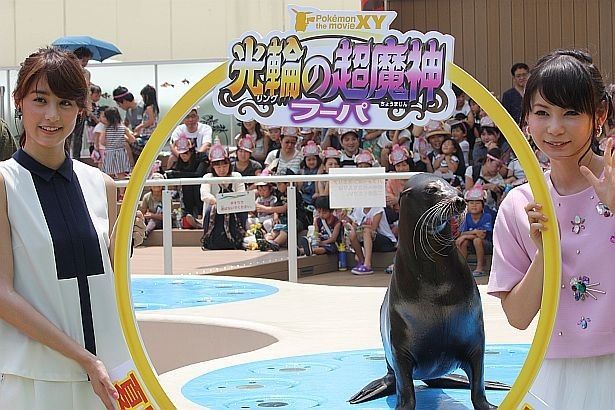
(217, 153)
(486, 121)
(398, 154)
(477, 193)
(290, 131)
(364, 157)
(311, 148)
(266, 172)
(330, 152)
(183, 144)
(246, 143)
(306, 130)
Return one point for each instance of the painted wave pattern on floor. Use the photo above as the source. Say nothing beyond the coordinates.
(173, 293)
(326, 381)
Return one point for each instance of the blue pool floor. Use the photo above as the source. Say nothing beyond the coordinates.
(172, 293)
(326, 381)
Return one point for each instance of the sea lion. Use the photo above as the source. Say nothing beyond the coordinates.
(431, 319)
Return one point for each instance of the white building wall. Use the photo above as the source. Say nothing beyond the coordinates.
(145, 30)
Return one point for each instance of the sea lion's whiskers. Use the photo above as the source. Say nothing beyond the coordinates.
(420, 225)
(428, 224)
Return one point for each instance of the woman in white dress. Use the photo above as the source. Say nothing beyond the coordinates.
(59, 327)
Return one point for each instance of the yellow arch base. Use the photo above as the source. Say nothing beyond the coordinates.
(456, 75)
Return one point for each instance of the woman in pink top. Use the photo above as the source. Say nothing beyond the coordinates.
(564, 108)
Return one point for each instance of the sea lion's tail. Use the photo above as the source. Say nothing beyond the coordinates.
(459, 381)
(382, 387)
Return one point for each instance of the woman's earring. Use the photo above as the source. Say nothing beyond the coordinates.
(598, 131)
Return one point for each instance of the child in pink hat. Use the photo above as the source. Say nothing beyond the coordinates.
(310, 165)
(331, 159)
(476, 229)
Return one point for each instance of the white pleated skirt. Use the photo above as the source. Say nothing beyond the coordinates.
(575, 384)
(18, 393)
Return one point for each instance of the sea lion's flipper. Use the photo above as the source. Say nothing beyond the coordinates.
(459, 381)
(382, 387)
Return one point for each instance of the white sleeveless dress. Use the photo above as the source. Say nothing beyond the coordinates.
(70, 283)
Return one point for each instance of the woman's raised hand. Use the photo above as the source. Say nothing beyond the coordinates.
(605, 185)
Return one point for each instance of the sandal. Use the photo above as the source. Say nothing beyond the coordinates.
(361, 269)
(273, 246)
(265, 246)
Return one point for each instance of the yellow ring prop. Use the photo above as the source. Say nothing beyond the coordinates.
(552, 250)
(126, 221)
(457, 76)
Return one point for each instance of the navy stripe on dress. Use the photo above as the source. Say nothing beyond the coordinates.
(75, 241)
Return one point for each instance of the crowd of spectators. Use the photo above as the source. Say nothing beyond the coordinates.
(468, 150)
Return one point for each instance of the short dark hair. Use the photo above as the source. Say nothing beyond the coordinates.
(113, 116)
(121, 94)
(495, 152)
(517, 66)
(458, 91)
(322, 202)
(462, 125)
(94, 89)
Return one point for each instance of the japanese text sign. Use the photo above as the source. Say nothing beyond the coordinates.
(232, 202)
(357, 193)
(133, 395)
(339, 68)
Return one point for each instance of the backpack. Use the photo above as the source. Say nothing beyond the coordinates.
(225, 231)
(8, 146)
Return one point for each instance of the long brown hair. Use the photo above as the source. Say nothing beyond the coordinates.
(64, 75)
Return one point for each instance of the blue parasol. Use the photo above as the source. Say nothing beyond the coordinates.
(101, 50)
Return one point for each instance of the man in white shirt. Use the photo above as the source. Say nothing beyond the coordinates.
(199, 133)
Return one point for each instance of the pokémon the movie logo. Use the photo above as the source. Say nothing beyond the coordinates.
(335, 21)
(375, 78)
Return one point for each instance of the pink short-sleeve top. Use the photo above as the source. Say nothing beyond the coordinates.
(585, 324)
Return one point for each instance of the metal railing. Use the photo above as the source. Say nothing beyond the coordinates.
(167, 237)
